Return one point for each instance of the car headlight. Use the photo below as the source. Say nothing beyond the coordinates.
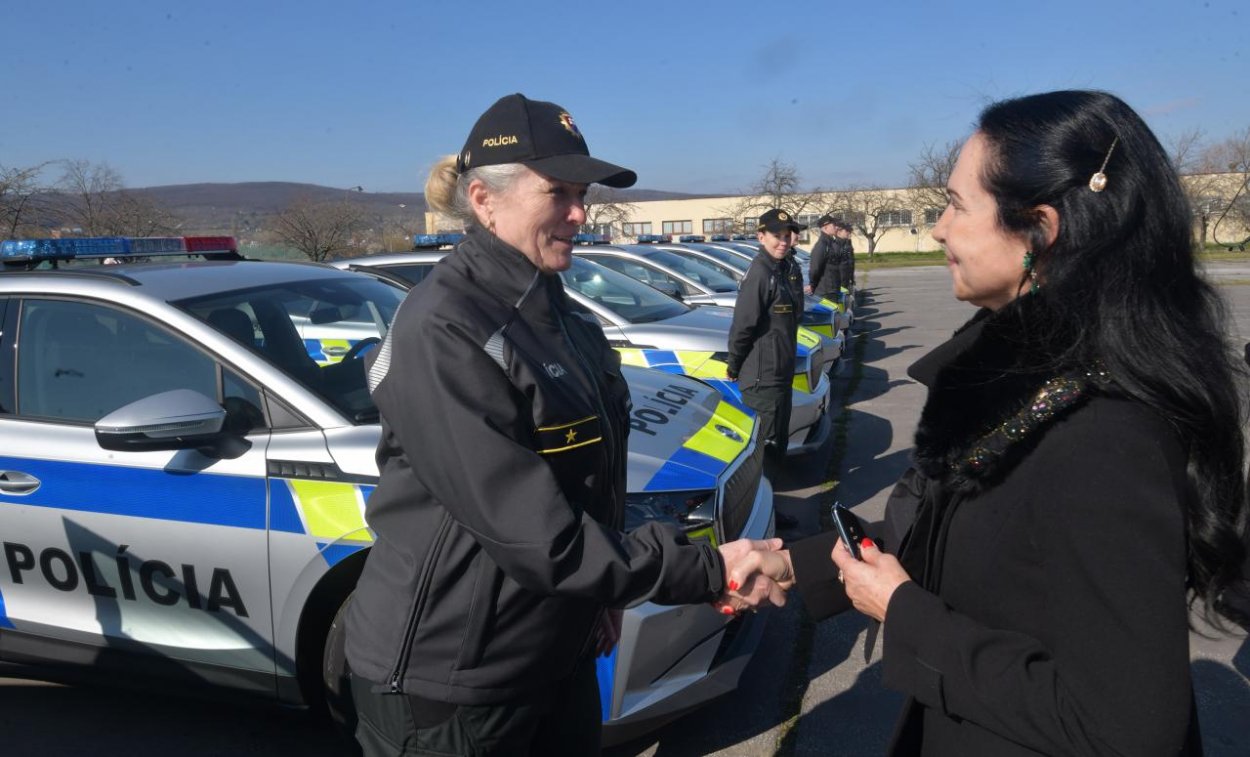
(688, 510)
(815, 364)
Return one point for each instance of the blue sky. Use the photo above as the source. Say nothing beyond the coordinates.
(695, 96)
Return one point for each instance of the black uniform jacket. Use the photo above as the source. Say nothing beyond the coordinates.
(502, 459)
(763, 337)
(825, 268)
(1047, 612)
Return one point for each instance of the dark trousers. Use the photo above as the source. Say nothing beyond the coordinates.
(846, 273)
(563, 718)
(772, 406)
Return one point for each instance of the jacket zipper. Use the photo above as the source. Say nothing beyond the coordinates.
(423, 588)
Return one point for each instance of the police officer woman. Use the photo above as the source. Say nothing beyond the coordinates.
(482, 605)
(762, 339)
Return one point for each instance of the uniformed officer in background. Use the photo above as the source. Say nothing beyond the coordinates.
(845, 256)
(762, 340)
(826, 269)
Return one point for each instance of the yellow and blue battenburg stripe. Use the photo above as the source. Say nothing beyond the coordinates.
(819, 317)
(327, 351)
(701, 365)
(332, 512)
(700, 460)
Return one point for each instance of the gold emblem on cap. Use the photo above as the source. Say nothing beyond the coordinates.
(783, 217)
(567, 122)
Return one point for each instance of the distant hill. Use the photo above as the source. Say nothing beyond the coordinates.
(243, 207)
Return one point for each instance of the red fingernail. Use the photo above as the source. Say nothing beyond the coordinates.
(866, 543)
(733, 585)
(726, 610)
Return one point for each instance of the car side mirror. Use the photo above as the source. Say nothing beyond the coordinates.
(176, 419)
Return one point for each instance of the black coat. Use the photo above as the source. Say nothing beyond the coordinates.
(497, 514)
(1048, 608)
(826, 268)
(764, 334)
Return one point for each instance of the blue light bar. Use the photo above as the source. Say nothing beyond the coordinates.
(426, 241)
(30, 250)
(720, 238)
(745, 238)
(690, 238)
(35, 251)
(652, 238)
(591, 239)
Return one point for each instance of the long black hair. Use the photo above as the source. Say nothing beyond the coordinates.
(1119, 286)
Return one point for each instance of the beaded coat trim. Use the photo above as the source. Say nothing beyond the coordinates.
(1054, 398)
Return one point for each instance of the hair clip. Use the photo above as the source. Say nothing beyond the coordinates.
(1098, 181)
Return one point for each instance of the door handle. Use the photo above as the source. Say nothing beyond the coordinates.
(16, 482)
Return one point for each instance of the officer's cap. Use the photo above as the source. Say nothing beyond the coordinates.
(540, 135)
(777, 220)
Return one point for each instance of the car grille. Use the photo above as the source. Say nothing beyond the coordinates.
(740, 495)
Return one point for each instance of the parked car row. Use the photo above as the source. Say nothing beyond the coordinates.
(188, 446)
(651, 329)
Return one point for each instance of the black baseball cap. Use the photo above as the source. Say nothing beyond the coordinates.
(826, 219)
(540, 135)
(777, 219)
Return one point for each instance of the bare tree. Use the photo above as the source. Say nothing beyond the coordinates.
(129, 215)
(93, 198)
(870, 211)
(1202, 186)
(85, 190)
(1213, 196)
(319, 230)
(607, 208)
(931, 172)
(1232, 155)
(20, 200)
(778, 187)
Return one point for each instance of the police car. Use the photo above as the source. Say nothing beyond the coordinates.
(650, 329)
(184, 470)
(702, 282)
(735, 258)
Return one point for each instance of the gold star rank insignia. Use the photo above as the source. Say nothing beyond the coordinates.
(568, 436)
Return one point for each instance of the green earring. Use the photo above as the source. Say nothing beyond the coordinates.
(1029, 260)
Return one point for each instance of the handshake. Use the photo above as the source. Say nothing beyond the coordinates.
(758, 572)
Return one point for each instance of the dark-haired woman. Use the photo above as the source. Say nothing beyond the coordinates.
(1077, 475)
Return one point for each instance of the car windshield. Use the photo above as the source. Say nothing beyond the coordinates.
(315, 331)
(704, 273)
(628, 298)
(731, 259)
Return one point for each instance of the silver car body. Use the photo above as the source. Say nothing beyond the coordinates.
(736, 257)
(704, 282)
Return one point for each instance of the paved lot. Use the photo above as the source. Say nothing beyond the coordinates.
(808, 691)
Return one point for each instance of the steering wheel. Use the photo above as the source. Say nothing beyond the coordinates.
(359, 347)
